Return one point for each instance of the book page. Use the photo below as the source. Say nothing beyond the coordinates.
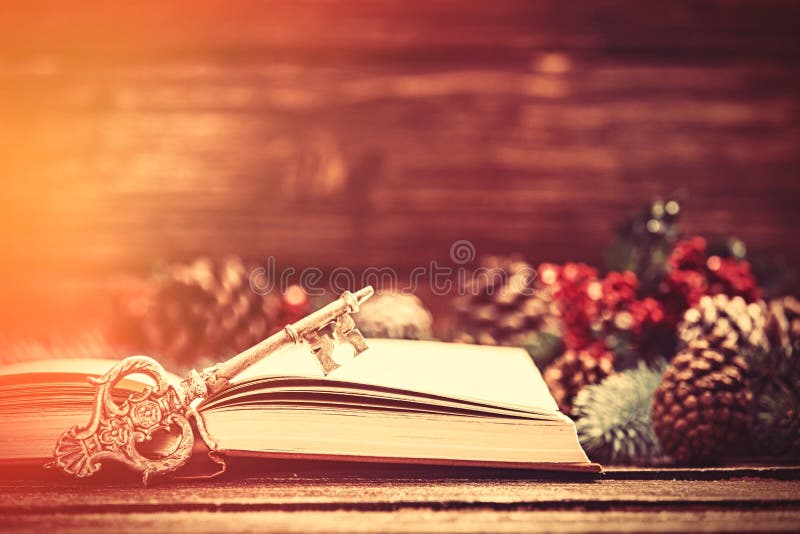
(499, 375)
(87, 366)
(77, 366)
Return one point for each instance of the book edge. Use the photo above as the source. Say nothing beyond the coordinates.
(584, 467)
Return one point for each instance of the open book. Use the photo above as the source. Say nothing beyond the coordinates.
(399, 402)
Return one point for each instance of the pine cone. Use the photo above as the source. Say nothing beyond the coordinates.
(776, 383)
(728, 321)
(396, 316)
(702, 405)
(572, 371)
(197, 311)
(613, 417)
(776, 403)
(783, 326)
(505, 305)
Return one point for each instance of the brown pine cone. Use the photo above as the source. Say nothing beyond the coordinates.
(723, 320)
(572, 371)
(395, 316)
(701, 408)
(195, 312)
(783, 326)
(775, 380)
(505, 305)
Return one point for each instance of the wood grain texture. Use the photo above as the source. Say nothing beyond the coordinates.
(377, 133)
(266, 493)
(408, 521)
(326, 502)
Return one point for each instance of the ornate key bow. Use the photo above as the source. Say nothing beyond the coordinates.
(114, 431)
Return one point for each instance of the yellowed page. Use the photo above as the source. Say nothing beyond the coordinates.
(498, 375)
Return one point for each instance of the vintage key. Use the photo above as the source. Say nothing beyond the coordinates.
(115, 430)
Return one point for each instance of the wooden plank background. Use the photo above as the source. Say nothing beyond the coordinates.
(332, 133)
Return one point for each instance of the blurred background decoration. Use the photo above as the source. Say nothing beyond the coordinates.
(345, 133)
(643, 158)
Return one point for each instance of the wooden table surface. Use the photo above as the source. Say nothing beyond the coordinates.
(285, 499)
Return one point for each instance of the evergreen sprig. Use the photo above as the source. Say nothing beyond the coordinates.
(613, 417)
